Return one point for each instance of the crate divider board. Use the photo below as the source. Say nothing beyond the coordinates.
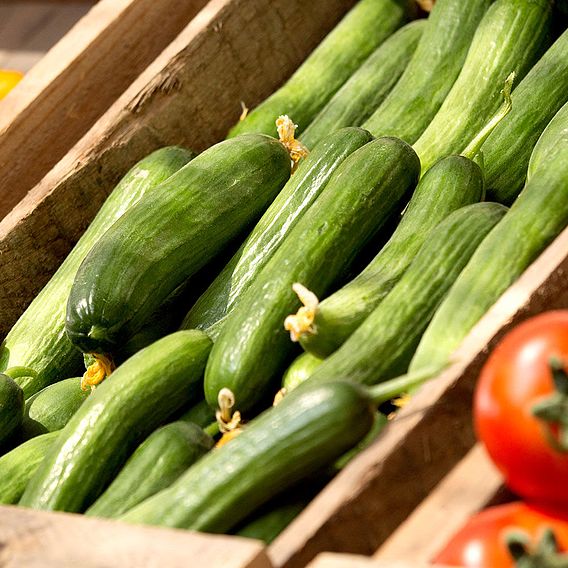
(77, 81)
(329, 560)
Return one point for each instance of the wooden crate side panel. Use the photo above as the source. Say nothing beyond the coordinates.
(77, 81)
(59, 540)
(190, 95)
(327, 560)
(358, 510)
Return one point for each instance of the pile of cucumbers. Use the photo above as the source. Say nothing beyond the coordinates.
(234, 327)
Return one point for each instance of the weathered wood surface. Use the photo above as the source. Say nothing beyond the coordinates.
(57, 540)
(77, 80)
(190, 95)
(327, 560)
(382, 487)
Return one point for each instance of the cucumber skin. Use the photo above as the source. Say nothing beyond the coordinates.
(343, 51)
(18, 466)
(511, 37)
(169, 236)
(382, 347)
(430, 74)
(283, 214)
(367, 189)
(508, 250)
(139, 396)
(452, 183)
(310, 428)
(300, 370)
(536, 100)
(37, 341)
(11, 407)
(51, 408)
(367, 87)
(161, 459)
(200, 414)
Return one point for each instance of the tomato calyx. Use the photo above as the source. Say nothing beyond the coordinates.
(553, 411)
(546, 554)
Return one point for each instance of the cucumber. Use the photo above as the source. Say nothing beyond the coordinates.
(383, 345)
(139, 396)
(537, 216)
(430, 74)
(511, 37)
(367, 87)
(310, 428)
(170, 235)
(11, 407)
(295, 198)
(155, 465)
(343, 51)
(298, 372)
(51, 408)
(364, 192)
(452, 183)
(536, 100)
(200, 414)
(37, 352)
(18, 466)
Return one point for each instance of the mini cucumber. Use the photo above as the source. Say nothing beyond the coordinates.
(537, 216)
(200, 414)
(345, 48)
(139, 396)
(18, 466)
(161, 459)
(367, 87)
(298, 372)
(365, 191)
(296, 197)
(511, 37)
(452, 183)
(37, 352)
(11, 408)
(383, 345)
(51, 408)
(430, 74)
(169, 236)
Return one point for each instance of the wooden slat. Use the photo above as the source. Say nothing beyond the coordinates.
(57, 540)
(327, 560)
(190, 95)
(432, 433)
(467, 489)
(77, 81)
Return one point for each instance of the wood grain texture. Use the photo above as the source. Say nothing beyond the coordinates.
(327, 560)
(77, 81)
(57, 540)
(358, 510)
(190, 95)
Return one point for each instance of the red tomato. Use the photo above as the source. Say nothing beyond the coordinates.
(481, 542)
(516, 377)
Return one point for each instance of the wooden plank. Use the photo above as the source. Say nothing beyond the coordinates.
(77, 81)
(432, 433)
(328, 560)
(59, 540)
(190, 95)
(468, 488)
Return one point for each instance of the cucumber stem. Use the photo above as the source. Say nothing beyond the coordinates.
(395, 387)
(286, 130)
(474, 147)
(226, 419)
(301, 323)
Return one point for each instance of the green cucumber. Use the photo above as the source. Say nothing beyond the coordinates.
(310, 428)
(285, 211)
(343, 51)
(510, 38)
(430, 74)
(536, 217)
(169, 236)
(37, 352)
(368, 188)
(452, 183)
(18, 466)
(367, 87)
(383, 345)
(11, 407)
(161, 459)
(139, 396)
(200, 414)
(536, 100)
(51, 408)
(298, 372)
